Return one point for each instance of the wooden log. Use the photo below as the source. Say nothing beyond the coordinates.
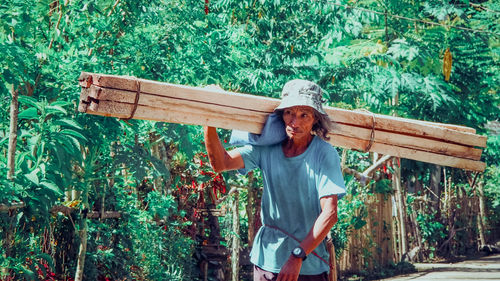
(254, 123)
(99, 94)
(206, 95)
(160, 89)
(265, 104)
(213, 107)
(405, 126)
(182, 115)
(193, 107)
(409, 141)
(450, 126)
(408, 153)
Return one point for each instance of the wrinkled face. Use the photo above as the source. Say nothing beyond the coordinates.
(299, 121)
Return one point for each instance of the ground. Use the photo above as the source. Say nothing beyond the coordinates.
(484, 268)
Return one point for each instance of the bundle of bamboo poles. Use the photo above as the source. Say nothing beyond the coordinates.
(129, 97)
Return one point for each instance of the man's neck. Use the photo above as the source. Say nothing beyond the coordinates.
(294, 147)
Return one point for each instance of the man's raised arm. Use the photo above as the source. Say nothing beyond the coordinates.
(220, 159)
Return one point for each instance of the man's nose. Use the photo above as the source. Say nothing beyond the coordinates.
(293, 121)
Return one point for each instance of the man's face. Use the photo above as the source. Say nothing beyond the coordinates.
(299, 121)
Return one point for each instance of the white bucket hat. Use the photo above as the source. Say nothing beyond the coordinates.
(300, 92)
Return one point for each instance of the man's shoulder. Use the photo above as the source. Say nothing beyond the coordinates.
(252, 148)
(322, 144)
(325, 149)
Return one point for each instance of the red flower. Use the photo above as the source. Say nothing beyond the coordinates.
(206, 7)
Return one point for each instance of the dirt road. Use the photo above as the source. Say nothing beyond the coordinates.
(485, 268)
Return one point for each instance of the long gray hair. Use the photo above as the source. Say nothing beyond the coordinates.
(323, 125)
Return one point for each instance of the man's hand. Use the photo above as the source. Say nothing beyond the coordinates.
(291, 270)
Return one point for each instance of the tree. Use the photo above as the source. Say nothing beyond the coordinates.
(362, 54)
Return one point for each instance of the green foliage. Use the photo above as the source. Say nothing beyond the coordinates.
(392, 269)
(148, 243)
(432, 231)
(247, 46)
(140, 162)
(492, 192)
(492, 151)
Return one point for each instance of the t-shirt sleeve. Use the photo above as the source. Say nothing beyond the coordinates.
(251, 157)
(331, 181)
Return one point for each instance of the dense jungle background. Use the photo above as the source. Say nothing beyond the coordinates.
(92, 198)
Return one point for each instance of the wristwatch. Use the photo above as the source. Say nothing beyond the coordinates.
(298, 252)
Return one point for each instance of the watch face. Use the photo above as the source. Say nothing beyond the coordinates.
(297, 251)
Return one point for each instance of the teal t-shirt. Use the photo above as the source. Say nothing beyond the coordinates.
(290, 200)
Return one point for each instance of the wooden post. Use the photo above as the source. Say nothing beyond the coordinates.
(332, 276)
(250, 214)
(11, 165)
(83, 231)
(235, 245)
(343, 160)
(446, 198)
(396, 184)
(75, 194)
(14, 112)
(251, 209)
(82, 251)
(482, 212)
(137, 182)
(435, 186)
(155, 142)
(166, 161)
(395, 230)
(204, 270)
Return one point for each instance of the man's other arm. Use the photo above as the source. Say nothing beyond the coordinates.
(220, 159)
